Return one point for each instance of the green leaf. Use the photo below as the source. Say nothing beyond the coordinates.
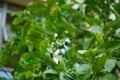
(51, 1)
(62, 76)
(30, 74)
(87, 43)
(118, 64)
(110, 64)
(117, 33)
(66, 6)
(98, 63)
(113, 45)
(111, 24)
(83, 69)
(92, 21)
(71, 54)
(17, 13)
(99, 37)
(28, 59)
(60, 42)
(43, 47)
(96, 29)
(108, 77)
(83, 72)
(82, 51)
(51, 71)
(18, 20)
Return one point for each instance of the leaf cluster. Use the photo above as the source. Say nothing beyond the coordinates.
(54, 41)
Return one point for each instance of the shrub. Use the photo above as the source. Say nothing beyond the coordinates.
(55, 41)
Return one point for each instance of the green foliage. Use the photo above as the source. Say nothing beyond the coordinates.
(53, 41)
(108, 77)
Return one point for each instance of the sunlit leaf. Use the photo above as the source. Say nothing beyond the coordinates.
(110, 64)
(99, 37)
